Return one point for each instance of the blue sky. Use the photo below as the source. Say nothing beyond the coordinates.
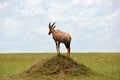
(93, 24)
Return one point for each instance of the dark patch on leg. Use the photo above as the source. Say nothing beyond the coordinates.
(66, 42)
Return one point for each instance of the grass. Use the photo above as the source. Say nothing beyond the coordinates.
(106, 66)
(14, 63)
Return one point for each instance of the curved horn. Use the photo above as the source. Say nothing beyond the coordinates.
(49, 23)
(53, 24)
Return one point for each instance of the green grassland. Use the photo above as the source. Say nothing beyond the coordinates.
(106, 66)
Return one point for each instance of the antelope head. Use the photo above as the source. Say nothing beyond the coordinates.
(51, 28)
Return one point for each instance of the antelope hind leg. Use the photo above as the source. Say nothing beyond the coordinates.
(68, 53)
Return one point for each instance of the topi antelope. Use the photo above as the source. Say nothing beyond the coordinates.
(60, 37)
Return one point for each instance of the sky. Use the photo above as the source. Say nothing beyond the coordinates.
(93, 24)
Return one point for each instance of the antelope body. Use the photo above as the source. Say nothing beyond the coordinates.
(60, 37)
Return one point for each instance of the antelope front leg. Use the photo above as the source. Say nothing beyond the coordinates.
(68, 52)
(58, 49)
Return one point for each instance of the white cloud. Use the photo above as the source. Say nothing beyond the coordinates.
(29, 7)
(57, 8)
(2, 5)
(109, 3)
(60, 12)
(88, 2)
(40, 30)
(10, 27)
(1, 43)
(59, 17)
(28, 36)
(113, 15)
(55, 12)
(73, 2)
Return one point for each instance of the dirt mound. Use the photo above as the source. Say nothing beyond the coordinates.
(58, 65)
